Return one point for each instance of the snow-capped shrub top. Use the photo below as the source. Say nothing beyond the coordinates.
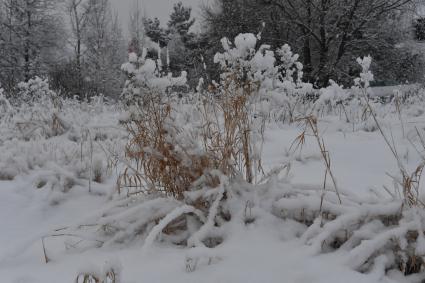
(145, 74)
(34, 90)
(236, 58)
(263, 65)
(245, 42)
(276, 75)
(366, 75)
(333, 94)
(289, 65)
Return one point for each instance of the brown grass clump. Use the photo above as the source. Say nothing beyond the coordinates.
(163, 156)
(159, 161)
(228, 132)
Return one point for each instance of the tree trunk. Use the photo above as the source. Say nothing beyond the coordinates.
(308, 67)
(27, 56)
(323, 68)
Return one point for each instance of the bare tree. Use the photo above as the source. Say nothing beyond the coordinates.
(331, 27)
(137, 28)
(31, 36)
(327, 34)
(105, 48)
(78, 12)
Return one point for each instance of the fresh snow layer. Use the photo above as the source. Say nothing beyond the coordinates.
(266, 251)
(262, 252)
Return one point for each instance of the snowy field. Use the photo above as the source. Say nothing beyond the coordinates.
(335, 194)
(40, 200)
(218, 141)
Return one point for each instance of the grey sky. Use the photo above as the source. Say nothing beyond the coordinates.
(152, 8)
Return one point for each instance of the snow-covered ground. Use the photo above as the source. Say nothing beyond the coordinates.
(268, 250)
(338, 196)
(264, 252)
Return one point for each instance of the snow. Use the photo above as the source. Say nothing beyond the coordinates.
(245, 42)
(366, 76)
(266, 251)
(62, 214)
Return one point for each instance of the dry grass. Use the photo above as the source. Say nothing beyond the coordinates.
(311, 128)
(409, 182)
(228, 131)
(58, 234)
(48, 126)
(158, 160)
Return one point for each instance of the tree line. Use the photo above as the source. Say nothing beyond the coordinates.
(80, 44)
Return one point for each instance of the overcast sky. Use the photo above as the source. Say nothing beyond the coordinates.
(152, 8)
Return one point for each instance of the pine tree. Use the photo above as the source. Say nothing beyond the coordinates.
(155, 32)
(180, 21)
(183, 44)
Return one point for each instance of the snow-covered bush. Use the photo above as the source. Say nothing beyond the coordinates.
(145, 75)
(167, 153)
(35, 89)
(366, 76)
(275, 76)
(332, 95)
(331, 98)
(164, 154)
(195, 151)
(61, 147)
(257, 85)
(6, 109)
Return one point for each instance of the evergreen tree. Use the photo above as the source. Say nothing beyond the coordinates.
(180, 21)
(155, 32)
(184, 45)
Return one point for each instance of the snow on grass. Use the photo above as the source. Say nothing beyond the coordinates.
(266, 250)
(62, 214)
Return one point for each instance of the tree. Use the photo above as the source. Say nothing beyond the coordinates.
(326, 33)
(78, 12)
(420, 29)
(105, 49)
(9, 57)
(330, 28)
(31, 37)
(181, 43)
(180, 20)
(155, 32)
(228, 18)
(99, 50)
(137, 29)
